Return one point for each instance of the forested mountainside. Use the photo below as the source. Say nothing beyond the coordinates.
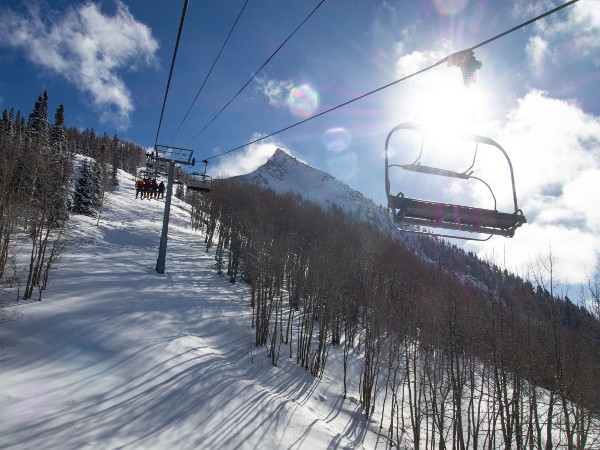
(283, 173)
(458, 358)
(38, 190)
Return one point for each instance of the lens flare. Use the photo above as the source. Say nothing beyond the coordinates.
(336, 139)
(303, 100)
(449, 7)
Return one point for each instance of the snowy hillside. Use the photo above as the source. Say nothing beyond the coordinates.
(117, 355)
(284, 173)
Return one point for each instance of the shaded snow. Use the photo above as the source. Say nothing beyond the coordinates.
(117, 355)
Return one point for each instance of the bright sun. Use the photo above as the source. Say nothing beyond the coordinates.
(446, 106)
(447, 110)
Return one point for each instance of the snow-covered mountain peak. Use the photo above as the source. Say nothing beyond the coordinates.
(281, 156)
(284, 173)
(281, 166)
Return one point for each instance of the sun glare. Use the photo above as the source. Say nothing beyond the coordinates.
(448, 108)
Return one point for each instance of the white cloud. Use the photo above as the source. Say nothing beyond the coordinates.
(246, 160)
(417, 60)
(555, 151)
(537, 50)
(88, 48)
(275, 90)
(574, 30)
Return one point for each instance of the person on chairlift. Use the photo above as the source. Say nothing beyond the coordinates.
(139, 189)
(147, 188)
(154, 193)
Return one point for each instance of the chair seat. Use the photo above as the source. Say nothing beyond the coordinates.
(455, 217)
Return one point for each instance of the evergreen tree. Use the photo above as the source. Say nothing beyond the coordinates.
(8, 122)
(179, 192)
(60, 163)
(58, 139)
(83, 198)
(116, 161)
(20, 127)
(38, 121)
(97, 183)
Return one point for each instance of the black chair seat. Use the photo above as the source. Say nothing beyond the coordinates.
(455, 217)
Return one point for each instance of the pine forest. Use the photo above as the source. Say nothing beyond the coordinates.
(38, 189)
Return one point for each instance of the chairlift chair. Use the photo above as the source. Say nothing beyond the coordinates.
(409, 212)
(199, 182)
(143, 174)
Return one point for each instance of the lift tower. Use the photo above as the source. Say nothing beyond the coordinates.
(170, 156)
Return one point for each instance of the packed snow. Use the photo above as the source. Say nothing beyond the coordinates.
(117, 356)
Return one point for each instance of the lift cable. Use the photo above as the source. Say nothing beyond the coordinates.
(256, 73)
(210, 71)
(329, 110)
(171, 71)
(447, 59)
(524, 24)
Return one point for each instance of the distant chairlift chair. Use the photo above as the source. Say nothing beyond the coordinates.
(143, 174)
(199, 182)
(409, 211)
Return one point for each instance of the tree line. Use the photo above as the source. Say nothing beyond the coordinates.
(496, 363)
(38, 191)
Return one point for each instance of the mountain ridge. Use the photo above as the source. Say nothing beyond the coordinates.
(284, 173)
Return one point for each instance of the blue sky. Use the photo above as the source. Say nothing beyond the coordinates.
(537, 94)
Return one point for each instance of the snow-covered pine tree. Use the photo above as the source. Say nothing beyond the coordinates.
(83, 198)
(8, 122)
(115, 161)
(179, 192)
(20, 127)
(60, 163)
(40, 180)
(97, 180)
(38, 121)
(57, 136)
